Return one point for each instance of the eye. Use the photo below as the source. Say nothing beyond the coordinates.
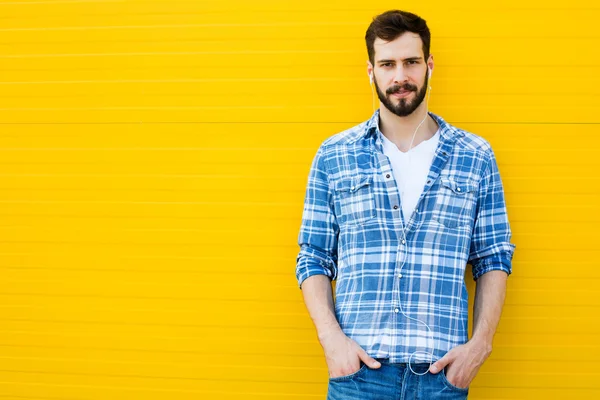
(413, 62)
(386, 64)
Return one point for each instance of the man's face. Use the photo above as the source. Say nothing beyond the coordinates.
(400, 73)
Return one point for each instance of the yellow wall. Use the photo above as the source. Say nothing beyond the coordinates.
(153, 162)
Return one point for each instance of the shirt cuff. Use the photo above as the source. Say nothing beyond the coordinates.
(307, 268)
(495, 262)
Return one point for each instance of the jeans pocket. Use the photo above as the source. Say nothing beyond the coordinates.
(350, 376)
(450, 385)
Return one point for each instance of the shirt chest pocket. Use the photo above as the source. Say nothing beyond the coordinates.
(354, 200)
(455, 202)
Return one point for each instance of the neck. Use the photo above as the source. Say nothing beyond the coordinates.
(400, 130)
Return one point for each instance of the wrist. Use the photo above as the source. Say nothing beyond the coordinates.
(484, 344)
(326, 334)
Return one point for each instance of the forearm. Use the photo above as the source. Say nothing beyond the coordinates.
(318, 298)
(489, 300)
(468, 358)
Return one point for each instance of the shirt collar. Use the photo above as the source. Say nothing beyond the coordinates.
(447, 131)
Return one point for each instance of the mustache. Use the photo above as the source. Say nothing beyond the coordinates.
(398, 88)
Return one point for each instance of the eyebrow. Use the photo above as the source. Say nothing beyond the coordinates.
(406, 59)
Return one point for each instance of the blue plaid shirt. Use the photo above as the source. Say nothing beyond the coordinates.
(393, 278)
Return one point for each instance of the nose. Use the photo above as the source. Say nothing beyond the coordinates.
(400, 75)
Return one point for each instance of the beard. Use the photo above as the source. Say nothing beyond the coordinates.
(404, 106)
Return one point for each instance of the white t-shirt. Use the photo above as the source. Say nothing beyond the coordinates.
(414, 175)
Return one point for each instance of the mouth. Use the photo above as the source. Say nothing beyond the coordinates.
(402, 93)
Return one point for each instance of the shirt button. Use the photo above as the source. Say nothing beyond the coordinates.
(458, 189)
(403, 241)
(417, 210)
(399, 275)
(395, 207)
(387, 175)
(396, 310)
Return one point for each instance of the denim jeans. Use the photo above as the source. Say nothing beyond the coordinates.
(394, 382)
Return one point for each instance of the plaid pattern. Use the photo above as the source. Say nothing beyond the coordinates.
(352, 232)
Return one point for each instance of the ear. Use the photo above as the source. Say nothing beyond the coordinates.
(430, 65)
(370, 70)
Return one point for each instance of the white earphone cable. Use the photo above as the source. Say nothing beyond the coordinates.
(404, 232)
(404, 236)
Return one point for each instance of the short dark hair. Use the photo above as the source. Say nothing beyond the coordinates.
(393, 23)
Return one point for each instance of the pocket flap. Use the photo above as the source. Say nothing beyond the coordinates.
(353, 183)
(459, 186)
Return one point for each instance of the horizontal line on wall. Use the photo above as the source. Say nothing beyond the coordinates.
(181, 108)
(286, 259)
(262, 79)
(208, 25)
(202, 271)
(550, 306)
(194, 203)
(94, 296)
(308, 328)
(242, 377)
(264, 177)
(237, 272)
(562, 278)
(266, 39)
(145, 362)
(157, 175)
(176, 53)
(224, 107)
(130, 389)
(283, 123)
(145, 190)
(122, 309)
(266, 66)
(249, 148)
(247, 203)
(269, 24)
(25, 2)
(244, 149)
(201, 243)
(214, 232)
(499, 97)
(212, 52)
(157, 218)
(232, 148)
(170, 378)
(587, 221)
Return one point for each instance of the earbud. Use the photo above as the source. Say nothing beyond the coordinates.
(371, 77)
(429, 79)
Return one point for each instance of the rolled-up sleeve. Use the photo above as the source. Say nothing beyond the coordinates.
(318, 237)
(491, 248)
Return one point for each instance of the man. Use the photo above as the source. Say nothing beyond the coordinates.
(395, 207)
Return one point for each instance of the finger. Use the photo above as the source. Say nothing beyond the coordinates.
(367, 359)
(454, 377)
(441, 363)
